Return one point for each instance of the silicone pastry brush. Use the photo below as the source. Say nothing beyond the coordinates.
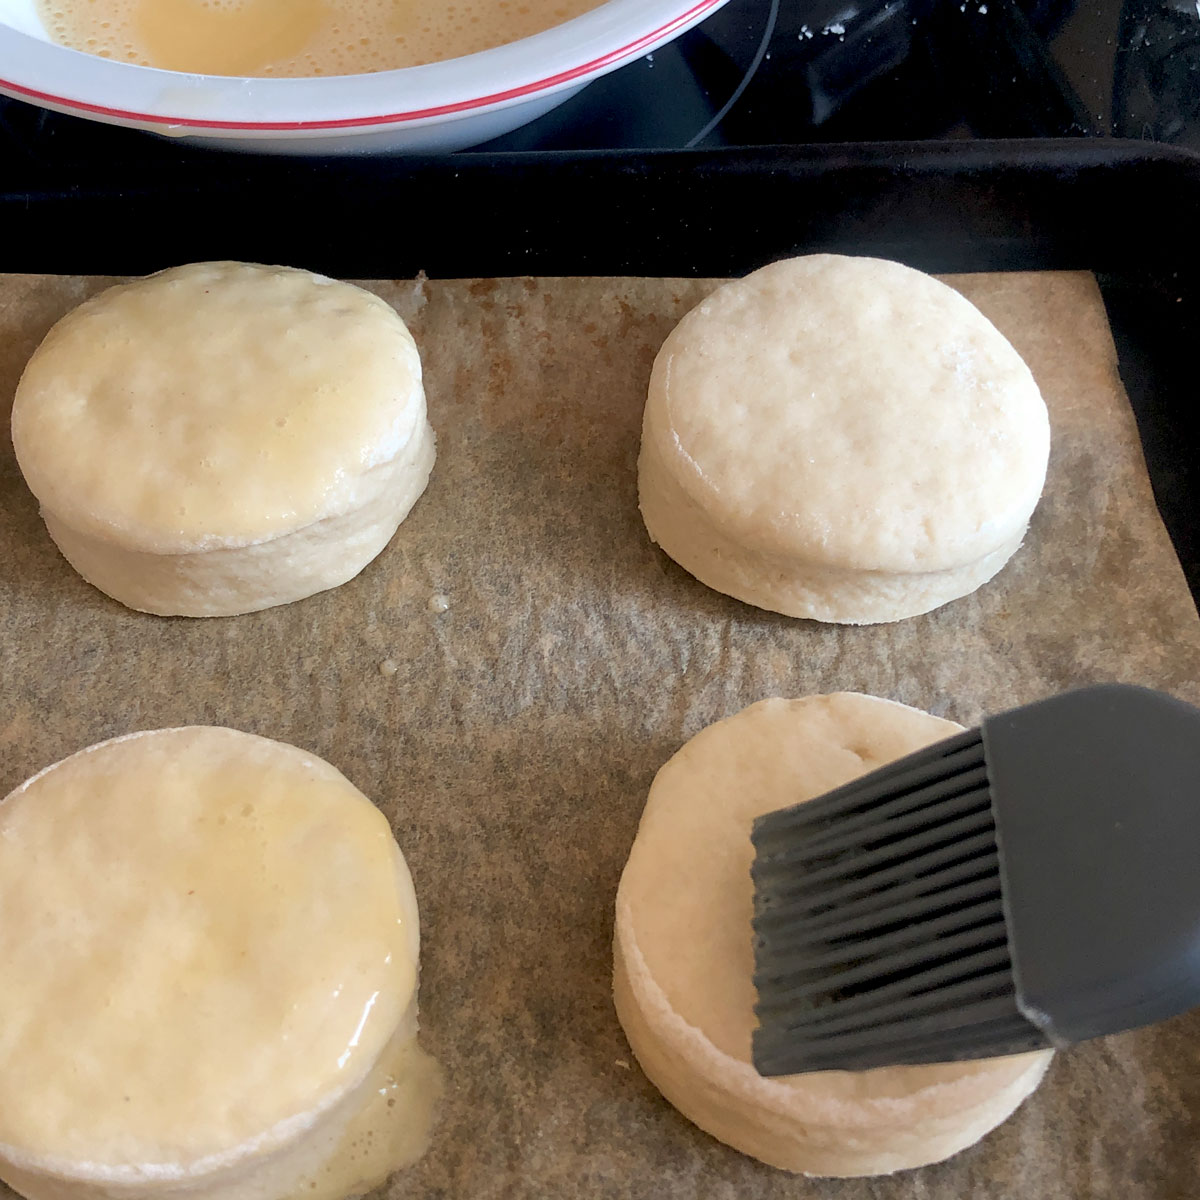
(1030, 883)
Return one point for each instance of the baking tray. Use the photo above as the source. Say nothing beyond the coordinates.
(1125, 210)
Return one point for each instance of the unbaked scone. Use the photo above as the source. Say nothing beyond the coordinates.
(208, 977)
(684, 961)
(839, 438)
(223, 437)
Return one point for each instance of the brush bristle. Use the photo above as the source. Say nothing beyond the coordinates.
(879, 925)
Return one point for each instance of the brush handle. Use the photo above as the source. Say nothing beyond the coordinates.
(1096, 799)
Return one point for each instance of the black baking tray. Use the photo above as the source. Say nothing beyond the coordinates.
(1129, 211)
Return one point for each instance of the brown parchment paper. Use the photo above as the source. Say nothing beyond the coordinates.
(511, 738)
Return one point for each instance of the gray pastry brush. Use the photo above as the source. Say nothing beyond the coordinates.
(1030, 883)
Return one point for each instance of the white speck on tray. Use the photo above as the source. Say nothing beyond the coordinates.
(438, 603)
(420, 294)
(389, 666)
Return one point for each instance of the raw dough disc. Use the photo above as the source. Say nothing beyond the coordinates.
(684, 961)
(840, 438)
(209, 977)
(223, 437)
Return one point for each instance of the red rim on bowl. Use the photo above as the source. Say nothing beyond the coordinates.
(459, 106)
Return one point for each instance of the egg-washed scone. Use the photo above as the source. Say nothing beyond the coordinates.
(208, 977)
(845, 439)
(223, 437)
(684, 961)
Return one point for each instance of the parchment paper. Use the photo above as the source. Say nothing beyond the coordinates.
(511, 738)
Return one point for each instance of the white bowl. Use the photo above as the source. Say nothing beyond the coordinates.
(443, 106)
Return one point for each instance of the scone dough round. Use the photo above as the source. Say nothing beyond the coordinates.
(684, 960)
(209, 944)
(840, 438)
(223, 437)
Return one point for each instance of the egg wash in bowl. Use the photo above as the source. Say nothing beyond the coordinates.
(294, 38)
